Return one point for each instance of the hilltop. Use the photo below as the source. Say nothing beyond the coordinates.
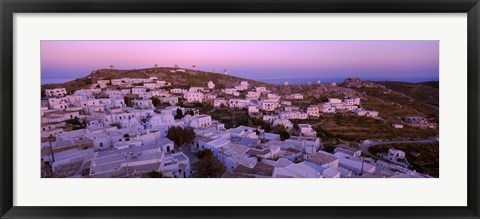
(198, 78)
(189, 78)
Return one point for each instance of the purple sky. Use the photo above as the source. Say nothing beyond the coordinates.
(374, 60)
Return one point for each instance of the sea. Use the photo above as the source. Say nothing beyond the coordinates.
(298, 81)
(291, 81)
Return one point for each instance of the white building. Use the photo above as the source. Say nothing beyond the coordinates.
(367, 113)
(196, 89)
(151, 85)
(57, 92)
(198, 121)
(238, 103)
(293, 115)
(396, 155)
(219, 101)
(178, 91)
(253, 109)
(210, 85)
(285, 122)
(334, 100)
(242, 86)
(114, 93)
(313, 110)
(139, 90)
(397, 126)
(58, 103)
(269, 105)
(253, 95)
(143, 104)
(260, 89)
(306, 130)
(193, 96)
(230, 91)
(352, 101)
(294, 97)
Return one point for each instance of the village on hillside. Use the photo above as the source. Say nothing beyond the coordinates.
(150, 127)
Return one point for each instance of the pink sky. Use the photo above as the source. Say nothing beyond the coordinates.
(250, 59)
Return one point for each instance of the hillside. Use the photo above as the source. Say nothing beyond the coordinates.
(426, 92)
(181, 79)
(393, 101)
(400, 99)
(196, 78)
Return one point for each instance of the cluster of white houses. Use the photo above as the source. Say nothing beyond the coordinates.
(130, 141)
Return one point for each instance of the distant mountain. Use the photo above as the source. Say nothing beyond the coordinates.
(433, 84)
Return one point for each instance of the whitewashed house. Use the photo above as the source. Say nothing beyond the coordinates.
(57, 92)
(285, 122)
(230, 91)
(313, 111)
(114, 93)
(143, 104)
(352, 101)
(178, 91)
(198, 121)
(238, 103)
(210, 85)
(294, 97)
(193, 96)
(139, 90)
(219, 102)
(334, 100)
(307, 130)
(260, 89)
(58, 103)
(397, 126)
(242, 86)
(253, 109)
(196, 89)
(269, 105)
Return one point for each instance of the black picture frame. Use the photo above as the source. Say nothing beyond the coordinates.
(9, 7)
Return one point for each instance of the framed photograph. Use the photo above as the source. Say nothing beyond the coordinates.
(201, 109)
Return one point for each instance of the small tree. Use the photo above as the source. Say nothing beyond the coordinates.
(181, 136)
(282, 131)
(75, 123)
(154, 174)
(207, 166)
(284, 135)
(128, 101)
(179, 114)
(189, 135)
(204, 153)
(156, 102)
(42, 91)
(118, 125)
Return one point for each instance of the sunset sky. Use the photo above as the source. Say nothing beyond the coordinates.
(374, 60)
